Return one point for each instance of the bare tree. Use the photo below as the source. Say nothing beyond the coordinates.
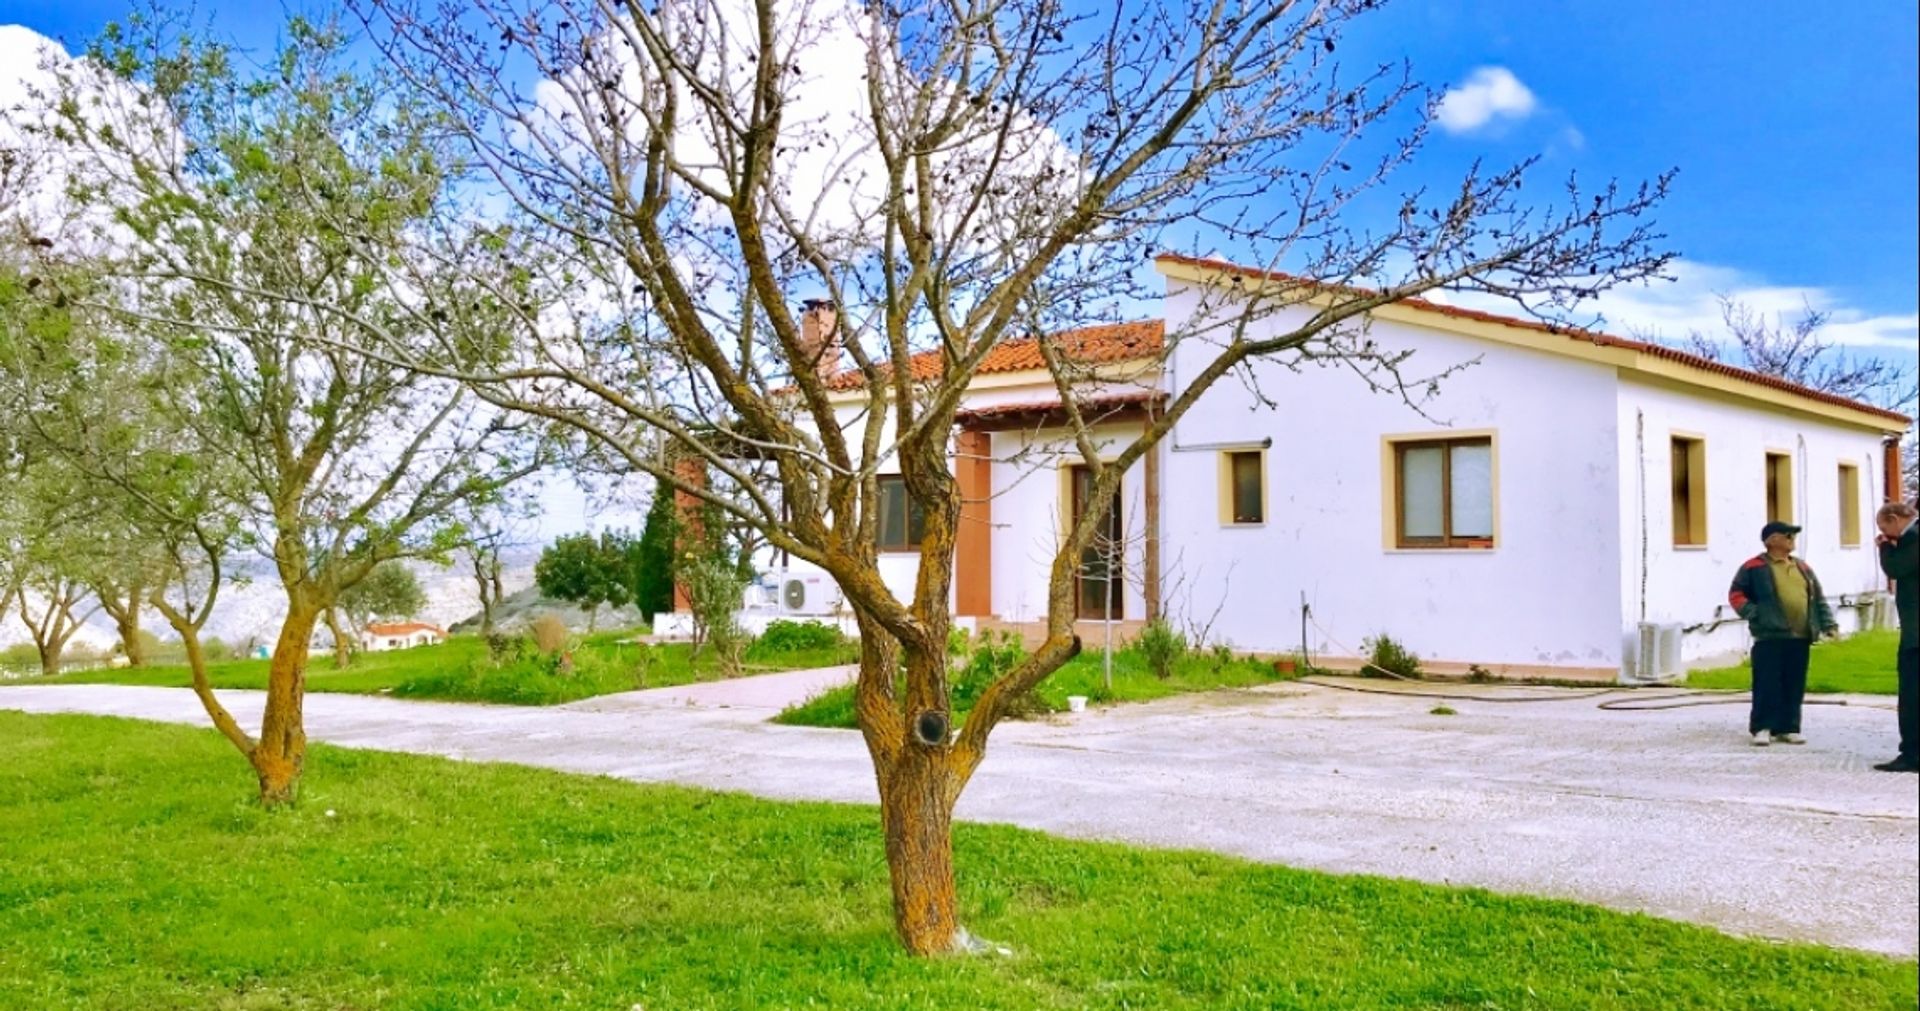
(945, 177)
(1795, 349)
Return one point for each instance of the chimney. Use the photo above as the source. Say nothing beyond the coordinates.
(818, 341)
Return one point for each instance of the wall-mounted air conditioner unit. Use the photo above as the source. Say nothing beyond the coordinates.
(1657, 656)
(807, 593)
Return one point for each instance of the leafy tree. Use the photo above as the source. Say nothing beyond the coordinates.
(252, 208)
(680, 180)
(654, 557)
(390, 592)
(586, 571)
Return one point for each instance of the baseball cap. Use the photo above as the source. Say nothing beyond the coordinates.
(1777, 527)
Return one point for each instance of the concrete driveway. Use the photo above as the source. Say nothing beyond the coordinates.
(1666, 812)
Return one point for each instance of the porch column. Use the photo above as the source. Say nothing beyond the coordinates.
(973, 541)
(1150, 575)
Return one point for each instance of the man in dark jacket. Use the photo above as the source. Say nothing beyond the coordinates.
(1780, 597)
(1900, 559)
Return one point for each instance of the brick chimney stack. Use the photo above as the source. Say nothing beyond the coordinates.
(818, 340)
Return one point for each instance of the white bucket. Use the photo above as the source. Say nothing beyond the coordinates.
(1076, 703)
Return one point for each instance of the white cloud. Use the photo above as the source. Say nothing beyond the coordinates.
(1691, 302)
(1490, 93)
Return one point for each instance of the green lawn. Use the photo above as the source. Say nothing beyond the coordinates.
(137, 875)
(461, 670)
(1860, 663)
(1084, 675)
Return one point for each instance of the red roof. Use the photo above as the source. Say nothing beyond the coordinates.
(405, 628)
(1572, 333)
(1093, 345)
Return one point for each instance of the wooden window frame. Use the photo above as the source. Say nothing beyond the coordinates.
(1696, 463)
(1778, 477)
(912, 544)
(1850, 525)
(1394, 462)
(1227, 495)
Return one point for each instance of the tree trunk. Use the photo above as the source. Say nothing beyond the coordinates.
(282, 748)
(916, 810)
(50, 658)
(342, 649)
(127, 622)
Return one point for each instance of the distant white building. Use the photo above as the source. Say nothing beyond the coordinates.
(401, 635)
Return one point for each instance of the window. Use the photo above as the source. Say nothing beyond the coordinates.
(1779, 487)
(1689, 492)
(1243, 487)
(902, 522)
(1444, 493)
(1849, 505)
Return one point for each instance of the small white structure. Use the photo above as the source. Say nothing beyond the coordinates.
(378, 637)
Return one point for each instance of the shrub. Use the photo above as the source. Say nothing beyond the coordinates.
(549, 633)
(1161, 647)
(550, 637)
(215, 648)
(714, 584)
(785, 636)
(1385, 656)
(992, 656)
(504, 647)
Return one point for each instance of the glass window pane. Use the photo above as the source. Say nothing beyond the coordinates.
(893, 516)
(1420, 495)
(1246, 488)
(1472, 486)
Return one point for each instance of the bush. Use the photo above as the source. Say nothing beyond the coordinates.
(215, 648)
(1161, 647)
(20, 656)
(549, 633)
(785, 636)
(1389, 658)
(550, 638)
(714, 584)
(992, 656)
(505, 648)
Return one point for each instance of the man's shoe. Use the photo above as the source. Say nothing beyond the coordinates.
(1789, 738)
(1762, 739)
(1901, 764)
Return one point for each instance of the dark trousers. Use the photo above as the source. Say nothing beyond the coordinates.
(1909, 702)
(1779, 685)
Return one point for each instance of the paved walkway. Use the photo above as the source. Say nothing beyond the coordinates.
(1667, 812)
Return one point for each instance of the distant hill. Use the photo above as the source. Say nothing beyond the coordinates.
(523, 606)
(251, 608)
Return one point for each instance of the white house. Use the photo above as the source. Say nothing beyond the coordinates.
(379, 637)
(1570, 505)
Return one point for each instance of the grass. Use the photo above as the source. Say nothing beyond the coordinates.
(460, 669)
(136, 876)
(1084, 675)
(1860, 663)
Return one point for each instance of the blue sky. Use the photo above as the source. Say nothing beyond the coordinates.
(1796, 134)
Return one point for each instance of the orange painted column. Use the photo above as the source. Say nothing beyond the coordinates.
(1893, 475)
(692, 472)
(973, 541)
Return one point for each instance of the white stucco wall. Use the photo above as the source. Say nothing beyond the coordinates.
(1688, 585)
(1547, 594)
(1029, 513)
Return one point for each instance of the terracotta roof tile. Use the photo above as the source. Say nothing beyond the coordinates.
(1093, 345)
(1571, 333)
(404, 628)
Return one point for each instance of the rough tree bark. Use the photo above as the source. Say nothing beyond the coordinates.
(342, 648)
(281, 751)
